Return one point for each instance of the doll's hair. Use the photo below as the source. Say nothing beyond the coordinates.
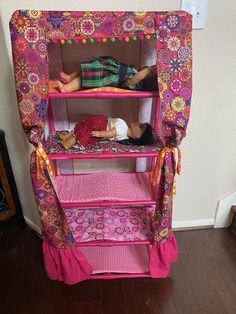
(147, 138)
(149, 83)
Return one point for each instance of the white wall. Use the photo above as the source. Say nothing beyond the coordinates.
(209, 151)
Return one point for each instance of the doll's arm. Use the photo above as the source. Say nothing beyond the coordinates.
(105, 133)
(142, 74)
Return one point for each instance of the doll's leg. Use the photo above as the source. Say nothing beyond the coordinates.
(72, 86)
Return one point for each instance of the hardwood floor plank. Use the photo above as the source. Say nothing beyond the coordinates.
(160, 296)
(211, 303)
(17, 297)
(31, 264)
(5, 286)
(182, 294)
(89, 291)
(112, 296)
(11, 248)
(136, 297)
(88, 308)
(191, 256)
(66, 301)
(225, 246)
(65, 298)
(41, 297)
(203, 268)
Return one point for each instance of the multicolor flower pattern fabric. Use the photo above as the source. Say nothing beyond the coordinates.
(30, 32)
(174, 67)
(54, 225)
(29, 47)
(163, 215)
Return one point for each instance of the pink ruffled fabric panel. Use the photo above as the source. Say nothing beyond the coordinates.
(161, 257)
(68, 265)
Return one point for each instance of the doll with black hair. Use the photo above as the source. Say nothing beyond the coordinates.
(99, 127)
(106, 71)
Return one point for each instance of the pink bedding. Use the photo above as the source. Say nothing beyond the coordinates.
(104, 186)
(109, 224)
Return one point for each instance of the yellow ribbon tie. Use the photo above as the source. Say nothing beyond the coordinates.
(160, 161)
(179, 161)
(41, 158)
(174, 188)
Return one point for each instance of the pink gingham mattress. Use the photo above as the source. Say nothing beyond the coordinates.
(108, 186)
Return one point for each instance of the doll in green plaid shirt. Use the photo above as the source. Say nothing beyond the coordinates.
(106, 71)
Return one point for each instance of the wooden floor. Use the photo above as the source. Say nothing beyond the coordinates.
(202, 281)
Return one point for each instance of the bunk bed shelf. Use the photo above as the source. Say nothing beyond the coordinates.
(105, 189)
(107, 203)
(99, 92)
(111, 226)
(103, 95)
(110, 261)
(113, 243)
(98, 150)
(116, 242)
(119, 276)
(101, 155)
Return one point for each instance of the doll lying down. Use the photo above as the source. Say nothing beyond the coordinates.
(94, 128)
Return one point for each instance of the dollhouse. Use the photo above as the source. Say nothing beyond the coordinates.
(102, 224)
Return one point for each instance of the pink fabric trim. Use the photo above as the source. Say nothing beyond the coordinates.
(68, 265)
(161, 256)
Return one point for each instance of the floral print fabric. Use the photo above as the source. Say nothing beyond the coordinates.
(54, 225)
(174, 67)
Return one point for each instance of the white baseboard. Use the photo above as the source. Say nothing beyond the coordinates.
(186, 224)
(33, 225)
(223, 216)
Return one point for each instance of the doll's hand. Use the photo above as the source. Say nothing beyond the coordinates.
(95, 133)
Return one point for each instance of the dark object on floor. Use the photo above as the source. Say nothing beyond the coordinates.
(10, 202)
(233, 223)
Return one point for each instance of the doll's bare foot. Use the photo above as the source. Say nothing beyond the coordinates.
(64, 135)
(73, 86)
(69, 142)
(65, 77)
(61, 87)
